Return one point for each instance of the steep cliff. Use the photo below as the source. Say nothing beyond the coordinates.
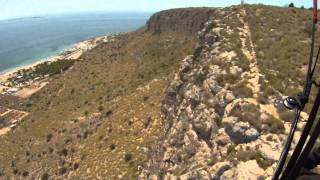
(188, 20)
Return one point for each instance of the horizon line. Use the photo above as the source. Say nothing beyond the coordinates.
(125, 11)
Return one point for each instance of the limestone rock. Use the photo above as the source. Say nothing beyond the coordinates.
(244, 170)
(240, 132)
(203, 124)
(212, 85)
(204, 133)
(235, 70)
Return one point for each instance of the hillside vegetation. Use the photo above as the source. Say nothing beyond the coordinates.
(94, 120)
(218, 117)
(189, 95)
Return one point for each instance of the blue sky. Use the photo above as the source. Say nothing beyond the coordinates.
(23, 8)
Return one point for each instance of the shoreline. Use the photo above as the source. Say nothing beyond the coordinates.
(71, 53)
(75, 52)
(36, 61)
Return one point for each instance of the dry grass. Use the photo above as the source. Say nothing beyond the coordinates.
(93, 113)
(281, 37)
(248, 113)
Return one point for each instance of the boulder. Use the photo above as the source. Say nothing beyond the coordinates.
(204, 124)
(210, 39)
(211, 85)
(235, 70)
(193, 95)
(186, 64)
(239, 132)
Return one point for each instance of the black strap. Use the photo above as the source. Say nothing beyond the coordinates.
(316, 61)
(303, 99)
(303, 137)
(311, 68)
(287, 146)
(308, 148)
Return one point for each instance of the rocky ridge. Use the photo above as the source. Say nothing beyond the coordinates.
(213, 124)
(217, 116)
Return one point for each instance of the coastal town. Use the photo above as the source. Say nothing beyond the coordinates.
(27, 80)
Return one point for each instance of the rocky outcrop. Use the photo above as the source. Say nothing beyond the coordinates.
(249, 170)
(240, 132)
(180, 20)
(212, 121)
(217, 122)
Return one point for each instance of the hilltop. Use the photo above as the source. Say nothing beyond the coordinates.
(189, 95)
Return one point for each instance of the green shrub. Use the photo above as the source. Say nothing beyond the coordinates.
(201, 76)
(263, 99)
(53, 68)
(248, 113)
(275, 125)
(112, 147)
(229, 78)
(291, 5)
(285, 114)
(218, 120)
(245, 155)
(231, 149)
(128, 157)
(241, 90)
(100, 108)
(263, 163)
(45, 176)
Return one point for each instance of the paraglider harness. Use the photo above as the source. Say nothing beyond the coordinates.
(303, 148)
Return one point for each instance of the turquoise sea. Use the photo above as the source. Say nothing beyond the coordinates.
(27, 40)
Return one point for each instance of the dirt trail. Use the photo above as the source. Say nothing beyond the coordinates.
(13, 119)
(253, 75)
(32, 89)
(248, 50)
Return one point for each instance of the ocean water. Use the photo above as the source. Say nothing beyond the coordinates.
(27, 40)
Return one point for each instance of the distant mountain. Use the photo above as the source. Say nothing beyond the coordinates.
(23, 18)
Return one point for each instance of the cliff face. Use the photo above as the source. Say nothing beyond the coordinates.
(217, 122)
(180, 20)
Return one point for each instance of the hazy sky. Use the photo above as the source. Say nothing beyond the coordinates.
(22, 8)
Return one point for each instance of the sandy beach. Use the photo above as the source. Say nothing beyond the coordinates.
(73, 53)
(34, 85)
(4, 76)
